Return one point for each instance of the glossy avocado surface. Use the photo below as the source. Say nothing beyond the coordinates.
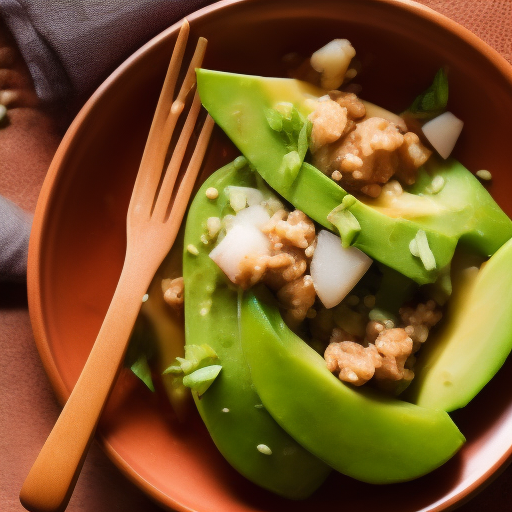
(230, 408)
(474, 340)
(359, 432)
(462, 210)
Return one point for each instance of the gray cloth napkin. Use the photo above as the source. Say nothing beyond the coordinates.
(70, 47)
(14, 234)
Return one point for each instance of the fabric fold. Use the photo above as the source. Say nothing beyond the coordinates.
(15, 225)
(71, 46)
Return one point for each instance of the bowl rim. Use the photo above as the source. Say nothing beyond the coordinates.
(47, 194)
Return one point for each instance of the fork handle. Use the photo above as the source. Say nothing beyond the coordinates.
(51, 480)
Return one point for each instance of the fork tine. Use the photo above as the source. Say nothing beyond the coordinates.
(162, 201)
(189, 178)
(190, 78)
(171, 174)
(156, 145)
(176, 109)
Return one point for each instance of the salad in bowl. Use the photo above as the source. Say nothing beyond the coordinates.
(158, 439)
(337, 284)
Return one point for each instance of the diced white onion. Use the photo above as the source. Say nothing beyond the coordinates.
(336, 270)
(442, 132)
(333, 60)
(255, 215)
(240, 241)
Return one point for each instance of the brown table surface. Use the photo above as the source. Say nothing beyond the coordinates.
(28, 408)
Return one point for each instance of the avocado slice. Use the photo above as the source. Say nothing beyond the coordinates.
(230, 407)
(474, 340)
(359, 432)
(461, 210)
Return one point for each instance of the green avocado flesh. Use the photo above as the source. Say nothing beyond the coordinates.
(359, 432)
(462, 210)
(230, 407)
(474, 340)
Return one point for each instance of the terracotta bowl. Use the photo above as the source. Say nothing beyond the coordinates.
(78, 240)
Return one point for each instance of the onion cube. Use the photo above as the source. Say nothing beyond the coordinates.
(336, 270)
(442, 132)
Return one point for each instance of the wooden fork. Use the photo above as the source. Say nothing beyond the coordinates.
(153, 222)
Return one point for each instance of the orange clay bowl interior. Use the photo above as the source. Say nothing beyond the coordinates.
(78, 240)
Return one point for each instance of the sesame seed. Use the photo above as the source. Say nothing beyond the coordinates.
(212, 193)
(205, 307)
(145, 297)
(352, 300)
(213, 225)
(258, 406)
(204, 239)
(192, 249)
(225, 409)
(484, 175)
(369, 301)
(352, 376)
(351, 73)
(309, 251)
(263, 448)
(436, 185)
(336, 176)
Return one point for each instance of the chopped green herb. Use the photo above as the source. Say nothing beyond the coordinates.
(140, 351)
(295, 130)
(142, 370)
(419, 248)
(413, 247)
(196, 356)
(303, 140)
(345, 221)
(200, 380)
(433, 101)
(274, 119)
(290, 167)
(381, 315)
